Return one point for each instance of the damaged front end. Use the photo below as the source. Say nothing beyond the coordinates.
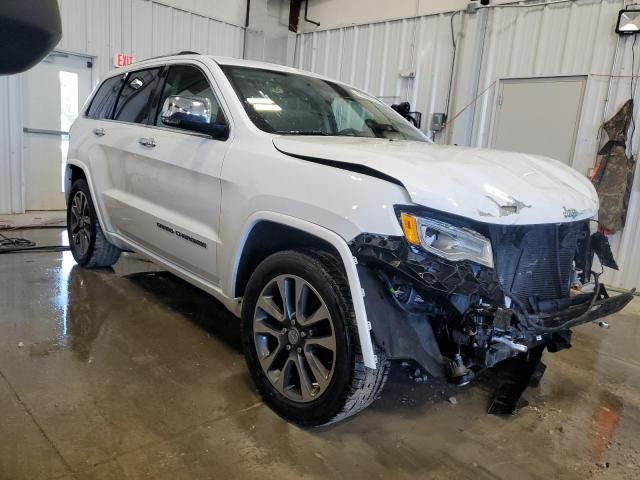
(459, 296)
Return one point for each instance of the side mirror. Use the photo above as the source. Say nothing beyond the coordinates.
(191, 113)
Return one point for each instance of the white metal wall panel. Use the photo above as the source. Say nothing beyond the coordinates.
(142, 21)
(116, 27)
(74, 14)
(575, 38)
(199, 34)
(225, 40)
(98, 34)
(372, 56)
(141, 28)
(162, 29)
(99, 28)
(10, 145)
(549, 41)
(181, 30)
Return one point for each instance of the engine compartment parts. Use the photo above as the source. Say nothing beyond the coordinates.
(515, 376)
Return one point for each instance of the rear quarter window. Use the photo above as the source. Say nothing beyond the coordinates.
(105, 98)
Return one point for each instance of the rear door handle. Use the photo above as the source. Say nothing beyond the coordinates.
(147, 142)
(99, 132)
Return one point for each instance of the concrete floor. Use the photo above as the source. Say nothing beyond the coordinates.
(138, 375)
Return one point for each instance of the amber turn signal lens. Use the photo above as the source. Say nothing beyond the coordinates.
(410, 227)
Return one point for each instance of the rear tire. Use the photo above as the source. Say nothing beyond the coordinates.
(323, 349)
(89, 246)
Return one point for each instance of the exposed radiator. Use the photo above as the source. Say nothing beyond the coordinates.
(534, 262)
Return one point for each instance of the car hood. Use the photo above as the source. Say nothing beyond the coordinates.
(489, 186)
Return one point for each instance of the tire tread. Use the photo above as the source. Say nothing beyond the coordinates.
(367, 383)
(103, 253)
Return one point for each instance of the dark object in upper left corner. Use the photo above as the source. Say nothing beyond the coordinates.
(29, 30)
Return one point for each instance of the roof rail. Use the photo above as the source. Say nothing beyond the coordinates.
(185, 52)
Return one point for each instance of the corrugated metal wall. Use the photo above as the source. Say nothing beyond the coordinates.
(573, 38)
(142, 28)
(10, 145)
(100, 28)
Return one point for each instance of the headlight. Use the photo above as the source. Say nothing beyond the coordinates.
(447, 241)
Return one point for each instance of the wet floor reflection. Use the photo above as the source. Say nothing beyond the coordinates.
(86, 312)
(85, 298)
(125, 370)
(81, 298)
(192, 303)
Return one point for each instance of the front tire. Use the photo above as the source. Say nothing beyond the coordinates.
(300, 340)
(89, 246)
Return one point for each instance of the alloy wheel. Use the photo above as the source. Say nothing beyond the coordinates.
(294, 337)
(80, 223)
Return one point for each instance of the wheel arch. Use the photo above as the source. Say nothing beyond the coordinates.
(267, 237)
(286, 233)
(71, 174)
(75, 170)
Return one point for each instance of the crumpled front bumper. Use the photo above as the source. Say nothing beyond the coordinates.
(452, 285)
(469, 321)
(464, 278)
(600, 305)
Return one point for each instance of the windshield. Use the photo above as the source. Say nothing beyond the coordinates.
(293, 104)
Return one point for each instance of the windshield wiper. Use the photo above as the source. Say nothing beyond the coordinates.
(303, 132)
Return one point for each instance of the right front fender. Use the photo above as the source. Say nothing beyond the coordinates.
(348, 261)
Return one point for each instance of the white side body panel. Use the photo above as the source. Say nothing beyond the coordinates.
(256, 183)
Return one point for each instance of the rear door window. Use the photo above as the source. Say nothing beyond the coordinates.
(105, 98)
(134, 102)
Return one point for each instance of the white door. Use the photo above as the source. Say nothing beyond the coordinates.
(161, 186)
(539, 115)
(54, 92)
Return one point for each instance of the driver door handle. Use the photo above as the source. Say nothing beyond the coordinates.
(147, 142)
(99, 132)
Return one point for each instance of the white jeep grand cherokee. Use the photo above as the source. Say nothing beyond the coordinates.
(338, 233)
